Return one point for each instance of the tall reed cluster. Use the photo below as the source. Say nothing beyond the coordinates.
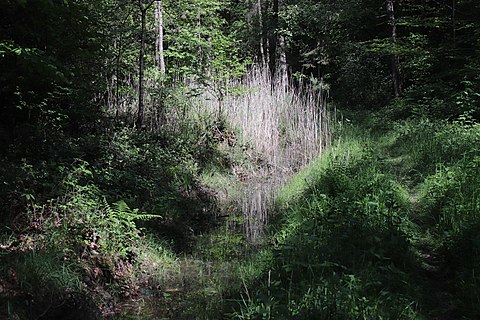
(284, 125)
(287, 125)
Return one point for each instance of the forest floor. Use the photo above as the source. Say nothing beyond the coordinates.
(431, 272)
(373, 228)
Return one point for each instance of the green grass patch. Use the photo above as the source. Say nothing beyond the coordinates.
(358, 228)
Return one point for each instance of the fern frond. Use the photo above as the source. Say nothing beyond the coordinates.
(122, 210)
(145, 216)
(108, 208)
(122, 207)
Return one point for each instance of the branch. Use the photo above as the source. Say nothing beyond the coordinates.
(147, 6)
(150, 4)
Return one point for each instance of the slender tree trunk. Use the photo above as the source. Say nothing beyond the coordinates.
(273, 39)
(159, 57)
(282, 58)
(159, 61)
(453, 24)
(144, 6)
(267, 51)
(266, 5)
(141, 107)
(118, 47)
(395, 60)
(260, 25)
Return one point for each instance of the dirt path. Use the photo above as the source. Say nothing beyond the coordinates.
(432, 265)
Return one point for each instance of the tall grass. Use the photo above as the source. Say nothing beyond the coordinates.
(287, 125)
(342, 245)
(277, 128)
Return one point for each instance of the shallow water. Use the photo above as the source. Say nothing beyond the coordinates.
(257, 204)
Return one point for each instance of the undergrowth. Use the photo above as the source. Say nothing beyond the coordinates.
(79, 243)
(358, 228)
(99, 226)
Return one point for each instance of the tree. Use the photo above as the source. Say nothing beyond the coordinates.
(143, 7)
(282, 58)
(263, 53)
(395, 60)
(273, 38)
(159, 56)
(51, 53)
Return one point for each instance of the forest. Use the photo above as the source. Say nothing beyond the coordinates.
(239, 159)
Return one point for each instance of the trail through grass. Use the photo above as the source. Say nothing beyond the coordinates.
(383, 226)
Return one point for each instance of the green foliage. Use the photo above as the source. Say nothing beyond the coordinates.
(78, 240)
(148, 172)
(443, 158)
(348, 236)
(436, 143)
(47, 272)
(343, 249)
(40, 60)
(351, 242)
(198, 46)
(350, 45)
(81, 218)
(449, 199)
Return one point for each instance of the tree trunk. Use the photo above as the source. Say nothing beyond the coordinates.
(260, 25)
(141, 107)
(395, 60)
(282, 58)
(453, 24)
(159, 57)
(273, 39)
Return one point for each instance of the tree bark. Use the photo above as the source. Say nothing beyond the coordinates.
(141, 63)
(260, 25)
(453, 24)
(395, 60)
(159, 57)
(273, 39)
(141, 107)
(282, 58)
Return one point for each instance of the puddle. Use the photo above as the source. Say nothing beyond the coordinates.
(257, 203)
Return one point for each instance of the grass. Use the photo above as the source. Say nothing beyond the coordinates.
(285, 127)
(231, 257)
(382, 226)
(188, 173)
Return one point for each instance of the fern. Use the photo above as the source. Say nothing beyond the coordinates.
(119, 230)
(121, 210)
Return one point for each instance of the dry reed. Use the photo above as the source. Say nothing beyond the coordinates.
(285, 125)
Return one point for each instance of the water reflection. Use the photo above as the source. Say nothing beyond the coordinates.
(257, 203)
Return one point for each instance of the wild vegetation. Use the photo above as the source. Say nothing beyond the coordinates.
(376, 229)
(224, 159)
